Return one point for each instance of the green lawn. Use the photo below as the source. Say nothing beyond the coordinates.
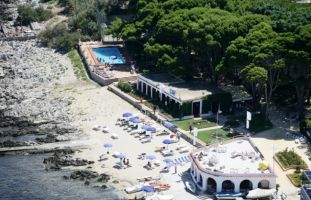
(213, 135)
(202, 123)
(78, 66)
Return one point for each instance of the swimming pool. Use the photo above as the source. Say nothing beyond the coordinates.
(109, 55)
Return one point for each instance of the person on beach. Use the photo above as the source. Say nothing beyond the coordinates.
(175, 168)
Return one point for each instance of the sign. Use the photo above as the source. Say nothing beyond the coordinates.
(248, 116)
(247, 124)
(195, 134)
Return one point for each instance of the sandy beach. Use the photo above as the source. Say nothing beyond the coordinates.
(95, 105)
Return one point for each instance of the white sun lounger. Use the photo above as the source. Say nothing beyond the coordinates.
(167, 152)
(180, 146)
(114, 136)
(184, 150)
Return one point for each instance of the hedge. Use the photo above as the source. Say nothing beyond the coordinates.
(224, 100)
(125, 87)
(186, 108)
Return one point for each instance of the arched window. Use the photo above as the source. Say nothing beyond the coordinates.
(227, 186)
(246, 186)
(211, 185)
(264, 184)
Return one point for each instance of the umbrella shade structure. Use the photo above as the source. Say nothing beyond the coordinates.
(151, 157)
(167, 141)
(148, 188)
(169, 125)
(121, 155)
(168, 160)
(135, 120)
(152, 129)
(127, 114)
(108, 145)
(145, 127)
(260, 193)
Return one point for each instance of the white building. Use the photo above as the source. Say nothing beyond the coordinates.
(231, 166)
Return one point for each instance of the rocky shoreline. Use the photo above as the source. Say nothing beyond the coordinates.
(29, 75)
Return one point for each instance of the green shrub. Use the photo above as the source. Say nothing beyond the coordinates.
(125, 87)
(290, 159)
(27, 14)
(186, 108)
(59, 38)
(223, 99)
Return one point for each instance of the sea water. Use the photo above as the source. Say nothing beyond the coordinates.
(24, 178)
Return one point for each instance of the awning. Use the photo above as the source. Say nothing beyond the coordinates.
(260, 193)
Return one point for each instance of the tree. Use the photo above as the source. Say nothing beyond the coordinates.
(257, 78)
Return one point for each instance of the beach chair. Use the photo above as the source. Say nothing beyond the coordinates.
(180, 146)
(103, 157)
(184, 150)
(167, 152)
(114, 136)
(145, 140)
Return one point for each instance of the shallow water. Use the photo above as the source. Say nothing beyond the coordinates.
(24, 178)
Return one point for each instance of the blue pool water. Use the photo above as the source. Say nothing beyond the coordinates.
(109, 55)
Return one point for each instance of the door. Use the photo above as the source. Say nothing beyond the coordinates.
(196, 109)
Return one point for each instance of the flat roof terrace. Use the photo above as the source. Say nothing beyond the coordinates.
(185, 91)
(237, 156)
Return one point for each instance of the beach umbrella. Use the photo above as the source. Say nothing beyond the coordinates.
(121, 155)
(152, 129)
(148, 188)
(108, 145)
(145, 127)
(127, 114)
(135, 120)
(168, 160)
(167, 142)
(151, 157)
(169, 125)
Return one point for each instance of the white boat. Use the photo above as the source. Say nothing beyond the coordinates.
(191, 186)
(160, 197)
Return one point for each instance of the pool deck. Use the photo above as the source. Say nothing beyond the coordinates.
(116, 72)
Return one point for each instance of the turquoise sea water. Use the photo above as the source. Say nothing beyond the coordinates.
(24, 178)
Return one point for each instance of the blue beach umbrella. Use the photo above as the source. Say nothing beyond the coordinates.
(127, 114)
(148, 188)
(151, 157)
(108, 145)
(121, 155)
(167, 142)
(151, 129)
(135, 120)
(145, 127)
(168, 160)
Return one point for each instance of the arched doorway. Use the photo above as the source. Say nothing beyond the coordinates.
(264, 184)
(246, 186)
(227, 186)
(211, 185)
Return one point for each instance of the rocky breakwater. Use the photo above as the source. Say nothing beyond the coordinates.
(28, 74)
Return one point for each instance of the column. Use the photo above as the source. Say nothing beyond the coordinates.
(137, 85)
(142, 87)
(147, 90)
(204, 183)
(219, 185)
(151, 94)
(201, 105)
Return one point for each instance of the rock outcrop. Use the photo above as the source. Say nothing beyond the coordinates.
(29, 75)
